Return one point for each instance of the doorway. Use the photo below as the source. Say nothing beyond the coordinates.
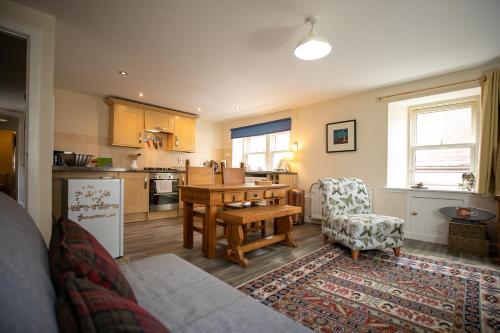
(13, 109)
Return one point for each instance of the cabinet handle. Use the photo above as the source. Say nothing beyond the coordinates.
(177, 141)
(140, 137)
(145, 182)
(414, 213)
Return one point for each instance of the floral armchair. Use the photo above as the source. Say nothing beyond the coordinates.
(347, 218)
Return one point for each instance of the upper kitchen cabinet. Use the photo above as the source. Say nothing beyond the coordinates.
(159, 122)
(126, 125)
(183, 138)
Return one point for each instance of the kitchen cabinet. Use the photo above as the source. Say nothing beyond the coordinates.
(159, 121)
(136, 197)
(423, 220)
(183, 138)
(126, 125)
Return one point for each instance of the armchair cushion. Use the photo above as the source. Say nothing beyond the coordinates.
(344, 196)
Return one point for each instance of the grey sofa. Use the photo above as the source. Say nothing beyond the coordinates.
(183, 297)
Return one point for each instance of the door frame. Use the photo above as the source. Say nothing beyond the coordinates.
(30, 119)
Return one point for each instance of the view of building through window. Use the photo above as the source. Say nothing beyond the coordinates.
(442, 143)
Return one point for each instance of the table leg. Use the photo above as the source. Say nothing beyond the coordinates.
(285, 227)
(209, 232)
(188, 225)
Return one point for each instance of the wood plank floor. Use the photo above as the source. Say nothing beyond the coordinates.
(143, 239)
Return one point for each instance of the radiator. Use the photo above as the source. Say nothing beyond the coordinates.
(313, 204)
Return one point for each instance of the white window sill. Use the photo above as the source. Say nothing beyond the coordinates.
(432, 190)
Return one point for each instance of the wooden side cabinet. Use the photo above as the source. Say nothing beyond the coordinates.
(136, 196)
(159, 121)
(184, 138)
(126, 125)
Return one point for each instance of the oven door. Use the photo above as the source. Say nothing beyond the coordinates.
(161, 201)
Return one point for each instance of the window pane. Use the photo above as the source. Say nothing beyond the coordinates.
(442, 167)
(444, 127)
(256, 161)
(257, 144)
(280, 141)
(439, 179)
(448, 158)
(237, 152)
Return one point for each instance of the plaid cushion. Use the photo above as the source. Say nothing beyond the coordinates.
(67, 320)
(101, 310)
(73, 249)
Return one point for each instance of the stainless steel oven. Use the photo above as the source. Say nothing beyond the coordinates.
(163, 191)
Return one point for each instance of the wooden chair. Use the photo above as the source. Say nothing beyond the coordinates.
(237, 176)
(233, 175)
(202, 176)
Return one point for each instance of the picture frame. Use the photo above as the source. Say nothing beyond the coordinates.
(341, 136)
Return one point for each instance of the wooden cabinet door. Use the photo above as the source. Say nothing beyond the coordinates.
(184, 135)
(127, 125)
(136, 190)
(159, 121)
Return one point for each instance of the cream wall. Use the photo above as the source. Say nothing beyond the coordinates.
(41, 29)
(369, 162)
(81, 124)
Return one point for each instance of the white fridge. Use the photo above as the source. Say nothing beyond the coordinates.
(97, 206)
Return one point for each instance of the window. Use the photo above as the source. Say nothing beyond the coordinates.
(443, 142)
(262, 152)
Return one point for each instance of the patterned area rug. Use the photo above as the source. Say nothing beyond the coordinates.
(329, 292)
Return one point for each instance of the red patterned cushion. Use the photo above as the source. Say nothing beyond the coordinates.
(101, 310)
(76, 250)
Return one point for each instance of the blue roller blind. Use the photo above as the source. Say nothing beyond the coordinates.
(280, 125)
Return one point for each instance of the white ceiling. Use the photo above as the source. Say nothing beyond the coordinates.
(219, 54)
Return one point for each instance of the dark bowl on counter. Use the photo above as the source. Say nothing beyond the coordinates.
(76, 159)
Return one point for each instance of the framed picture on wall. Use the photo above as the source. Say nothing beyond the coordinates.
(341, 136)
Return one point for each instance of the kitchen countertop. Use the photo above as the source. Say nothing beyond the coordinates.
(116, 169)
(106, 169)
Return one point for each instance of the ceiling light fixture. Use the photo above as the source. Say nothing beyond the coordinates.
(237, 108)
(122, 73)
(199, 109)
(141, 94)
(312, 47)
(3, 120)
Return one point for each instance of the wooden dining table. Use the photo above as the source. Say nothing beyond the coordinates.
(213, 197)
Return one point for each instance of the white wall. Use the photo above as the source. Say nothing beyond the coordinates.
(81, 124)
(369, 162)
(41, 28)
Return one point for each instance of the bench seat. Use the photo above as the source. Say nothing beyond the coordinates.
(237, 219)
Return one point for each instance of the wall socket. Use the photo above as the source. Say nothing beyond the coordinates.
(181, 160)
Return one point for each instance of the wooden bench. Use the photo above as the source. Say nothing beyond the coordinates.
(236, 219)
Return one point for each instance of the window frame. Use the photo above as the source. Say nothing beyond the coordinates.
(448, 105)
(269, 154)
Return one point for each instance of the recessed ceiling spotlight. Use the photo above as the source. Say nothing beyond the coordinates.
(141, 94)
(313, 46)
(237, 108)
(3, 120)
(122, 73)
(199, 109)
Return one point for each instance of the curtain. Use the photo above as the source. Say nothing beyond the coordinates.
(489, 158)
(275, 126)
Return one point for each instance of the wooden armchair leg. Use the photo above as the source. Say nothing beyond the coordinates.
(397, 251)
(354, 254)
(325, 238)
